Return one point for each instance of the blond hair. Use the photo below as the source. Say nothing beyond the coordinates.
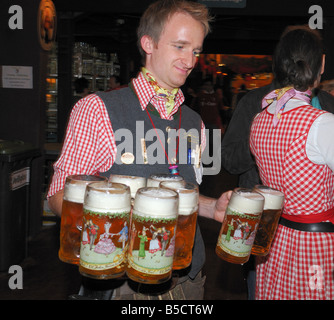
(158, 13)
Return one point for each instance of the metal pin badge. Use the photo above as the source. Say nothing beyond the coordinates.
(127, 158)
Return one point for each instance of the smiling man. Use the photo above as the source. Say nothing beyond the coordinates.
(178, 46)
(170, 37)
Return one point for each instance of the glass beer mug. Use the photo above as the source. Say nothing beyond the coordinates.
(155, 179)
(105, 232)
(134, 182)
(273, 205)
(186, 221)
(153, 226)
(71, 216)
(240, 224)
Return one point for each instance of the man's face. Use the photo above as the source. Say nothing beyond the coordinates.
(172, 59)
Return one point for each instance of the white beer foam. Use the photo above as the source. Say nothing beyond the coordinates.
(155, 179)
(75, 192)
(174, 184)
(109, 201)
(156, 202)
(132, 181)
(188, 203)
(188, 199)
(247, 202)
(274, 199)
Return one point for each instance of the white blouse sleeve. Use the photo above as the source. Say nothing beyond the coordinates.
(320, 141)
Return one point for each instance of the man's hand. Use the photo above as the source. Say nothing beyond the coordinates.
(214, 208)
(221, 205)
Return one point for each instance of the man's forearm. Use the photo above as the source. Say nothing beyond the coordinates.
(55, 202)
(214, 208)
(206, 206)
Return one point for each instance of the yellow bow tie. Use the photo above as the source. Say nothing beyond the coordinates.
(168, 96)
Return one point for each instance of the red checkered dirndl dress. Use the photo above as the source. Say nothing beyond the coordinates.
(300, 264)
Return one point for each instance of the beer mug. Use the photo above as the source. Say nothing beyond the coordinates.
(273, 205)
(240, 224)
(104, 236)
(153, 226)
(155, 179)
(134, 182)
(186, 221)
(71, 216)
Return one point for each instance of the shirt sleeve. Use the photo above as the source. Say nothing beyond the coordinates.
(89, 146)
(319, 144)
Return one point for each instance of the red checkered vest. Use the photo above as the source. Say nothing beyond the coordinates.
(280, 155)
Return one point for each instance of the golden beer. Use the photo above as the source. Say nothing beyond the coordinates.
(273, 205)
(186, 221)
(240, 224)
(71, 216)
(105, 230)
(153, 226)
(155, 179)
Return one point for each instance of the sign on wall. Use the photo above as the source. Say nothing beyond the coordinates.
(17, 77)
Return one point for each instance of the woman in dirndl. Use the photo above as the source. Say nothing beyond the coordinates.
(293, 144)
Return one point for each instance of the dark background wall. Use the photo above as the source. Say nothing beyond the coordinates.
(22, 111)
